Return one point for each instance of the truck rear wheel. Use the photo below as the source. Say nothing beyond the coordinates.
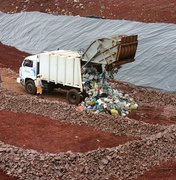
(73, 96)
(30, 87)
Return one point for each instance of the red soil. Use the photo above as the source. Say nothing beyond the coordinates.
(166, 171)
(31, 131)
(164, 115)
(4, 176)
(10, 57)
(138, 10)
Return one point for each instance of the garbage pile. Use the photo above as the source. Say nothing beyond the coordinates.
(102, 98)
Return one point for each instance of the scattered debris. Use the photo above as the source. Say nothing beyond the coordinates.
(102, 98)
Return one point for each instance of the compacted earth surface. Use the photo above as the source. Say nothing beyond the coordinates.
(45, 137)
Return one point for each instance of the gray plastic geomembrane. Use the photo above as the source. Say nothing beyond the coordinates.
(155, 64)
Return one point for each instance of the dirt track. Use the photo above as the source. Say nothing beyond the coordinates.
(155, 108)
(31, 131)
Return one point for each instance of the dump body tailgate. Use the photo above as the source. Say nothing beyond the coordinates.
(114, 51)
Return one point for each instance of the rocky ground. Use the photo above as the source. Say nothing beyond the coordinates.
(46, 138)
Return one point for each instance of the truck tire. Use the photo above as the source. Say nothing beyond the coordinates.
(30, 87)
(73, 96)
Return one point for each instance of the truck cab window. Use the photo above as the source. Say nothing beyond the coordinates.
(28, 63)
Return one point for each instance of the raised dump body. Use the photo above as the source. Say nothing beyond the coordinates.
(113, 51)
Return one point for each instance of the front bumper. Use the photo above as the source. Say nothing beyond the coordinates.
(18, 80)
(21, 81)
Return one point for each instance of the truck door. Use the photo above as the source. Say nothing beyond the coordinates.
(28, 69)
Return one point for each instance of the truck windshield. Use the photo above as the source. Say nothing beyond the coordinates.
(28, 63)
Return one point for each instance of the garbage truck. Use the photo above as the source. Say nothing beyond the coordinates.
(63, 68)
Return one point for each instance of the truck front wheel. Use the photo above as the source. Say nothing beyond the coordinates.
(73, 96)
(30, 87)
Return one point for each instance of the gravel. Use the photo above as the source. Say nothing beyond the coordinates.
(155, 144)
(69, 114)
(124, 162)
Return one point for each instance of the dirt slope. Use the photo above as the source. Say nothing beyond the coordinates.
(138, 10)
(10, 57)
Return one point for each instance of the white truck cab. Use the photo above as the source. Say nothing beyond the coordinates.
(28, 69)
